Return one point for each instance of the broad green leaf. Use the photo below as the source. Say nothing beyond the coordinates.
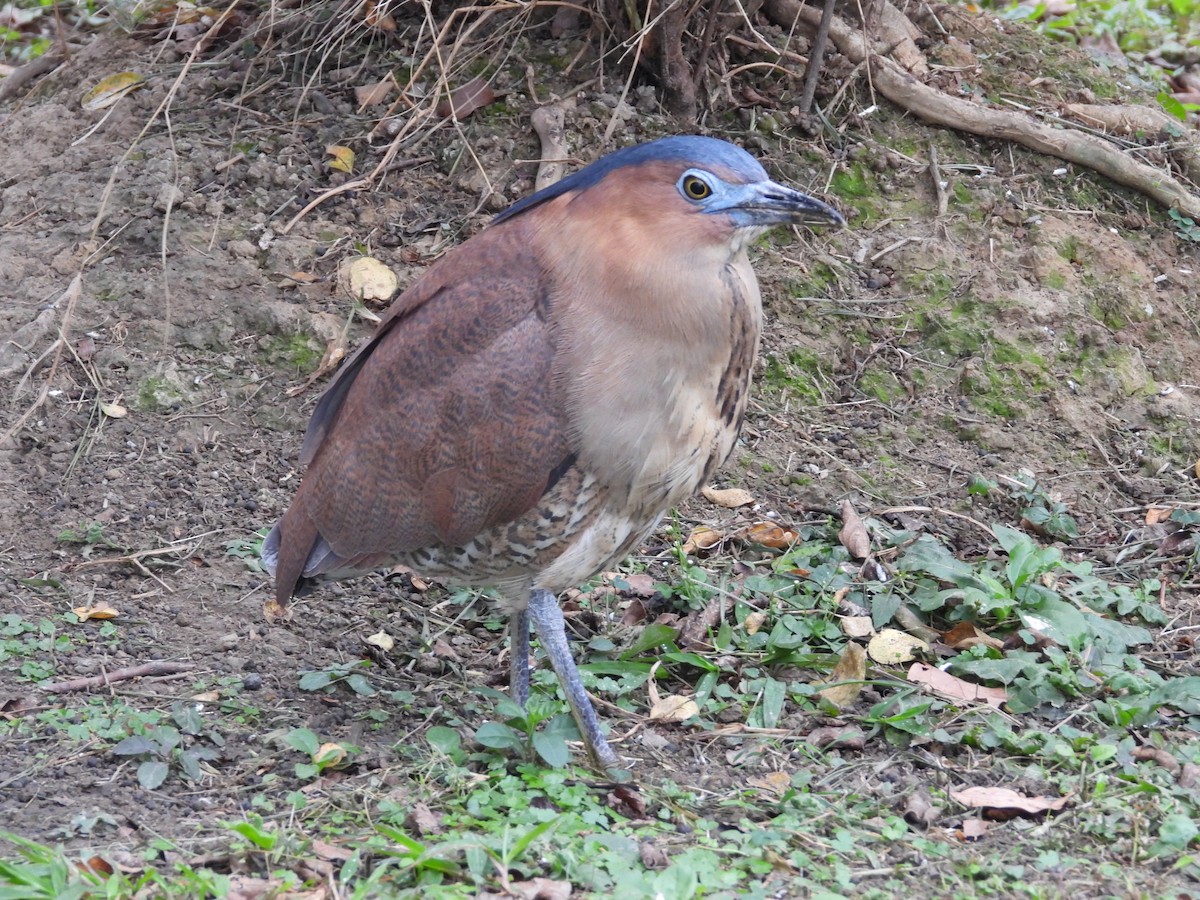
(152, 773)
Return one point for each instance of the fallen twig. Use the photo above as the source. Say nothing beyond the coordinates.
(156, 667)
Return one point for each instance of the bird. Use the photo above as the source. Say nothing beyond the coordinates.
(534, 403)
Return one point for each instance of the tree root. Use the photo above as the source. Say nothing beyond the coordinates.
(934, 107)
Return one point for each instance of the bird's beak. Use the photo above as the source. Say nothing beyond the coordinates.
(762, 204)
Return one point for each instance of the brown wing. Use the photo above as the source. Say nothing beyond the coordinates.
(448, 422)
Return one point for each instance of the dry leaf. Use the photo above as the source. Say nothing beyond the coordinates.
(366, 278)
(423, 820)
(1000, 800)
(846, 737)
(1162, 757)
(330, 754)
(329, 851)
(673, 708)
(702, 538)
(382, 640)
(772, 782)
(854, 535)
(974, 829)
(846, 678)
(464, 100)
(374, 94)
(653, 857)
(891, 647)
(206, 697)
(728, 498)
(377, 16)
(919, 809)
(639, 585)
(966, 635)
(754, 621)
(99, 611)
(1157, 514)
(769, 534)
(114, 410)
(538, 889)
(857, 626)
(699, 622)
(343, 158)
(955, 688)
(111, 89)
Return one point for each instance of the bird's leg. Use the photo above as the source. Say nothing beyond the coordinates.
(518, 647)
(548, 620)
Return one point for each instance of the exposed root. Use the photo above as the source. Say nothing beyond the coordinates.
(938, 108)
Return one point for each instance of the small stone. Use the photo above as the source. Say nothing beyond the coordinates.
(169, 195)
(253, 682)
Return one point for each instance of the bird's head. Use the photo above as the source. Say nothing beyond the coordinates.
(688, 186)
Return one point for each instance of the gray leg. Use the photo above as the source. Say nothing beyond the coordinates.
(548, 620)
(518, 664)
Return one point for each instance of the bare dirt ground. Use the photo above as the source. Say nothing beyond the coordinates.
(1046, 322)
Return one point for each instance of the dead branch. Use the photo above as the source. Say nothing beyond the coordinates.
(156, 667)
(12, 85)
(937, 108)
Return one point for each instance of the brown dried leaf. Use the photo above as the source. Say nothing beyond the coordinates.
(377, 16)
(374, 94)
(463, 101)
(635, 613)
(965, 635)
(955, 688)
(99, 611)
(653, 857)
(639, 585)
(673, 708)
(728, 498)
(857, 626)
(974, 829)
(850, 671)
(772, 782)
(846, 737)
(854, 535)
(1001, 800)
(1157, 514)
(769, 534)
(1160, 756)
(754, 621)
(702, 538)
(919, 809)
(329, 851)
(423, 820)
(697, 625)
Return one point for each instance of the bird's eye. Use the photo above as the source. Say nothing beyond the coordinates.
(695, 188)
